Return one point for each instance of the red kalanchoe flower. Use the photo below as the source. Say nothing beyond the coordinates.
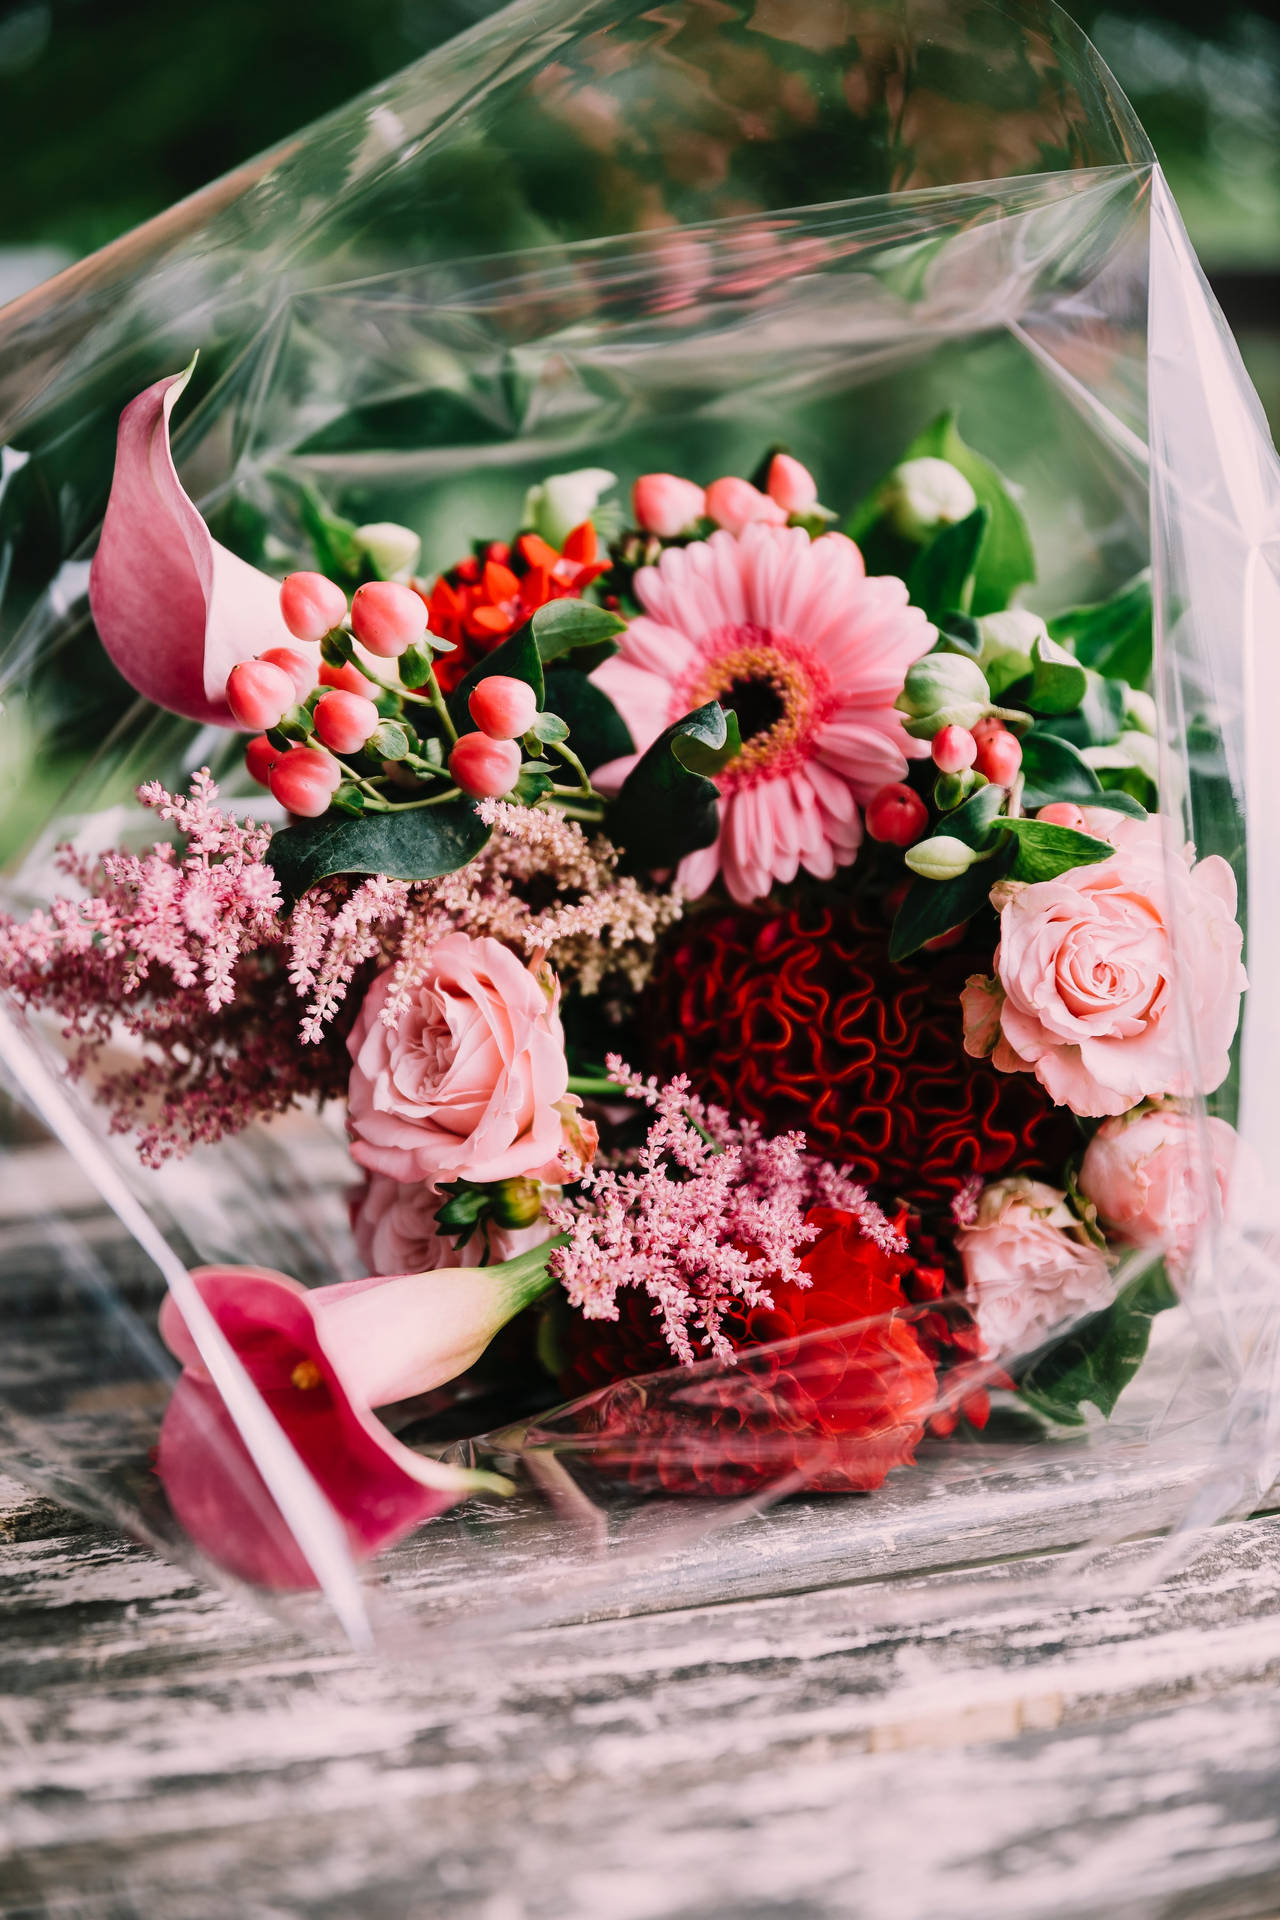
(831, 1388)
(801, 1020)
(483, 600)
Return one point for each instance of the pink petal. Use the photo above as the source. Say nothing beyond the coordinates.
(174, 610)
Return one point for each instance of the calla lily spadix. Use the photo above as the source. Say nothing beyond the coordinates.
(322, 1359)
(174, 609)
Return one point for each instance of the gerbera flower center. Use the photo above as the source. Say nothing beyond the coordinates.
(778, 687)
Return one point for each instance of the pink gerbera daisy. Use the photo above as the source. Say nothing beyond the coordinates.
(811, 655)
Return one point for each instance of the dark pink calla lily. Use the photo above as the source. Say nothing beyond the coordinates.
(174, 609)
(322, 1359)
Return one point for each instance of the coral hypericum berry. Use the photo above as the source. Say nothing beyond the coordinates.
(897, 815)
(259, 694)
(999, 757)
(1063, 813)
(348, 678)
(485, 768)
(954, 749)
(311, 605)
(300, 670)
(503, 707)
(304, 780)
(387, 618)
(260, 756)
(344, 721)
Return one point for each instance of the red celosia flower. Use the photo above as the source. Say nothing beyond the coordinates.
(831, 1389)
(483, 600)
(801, 1020)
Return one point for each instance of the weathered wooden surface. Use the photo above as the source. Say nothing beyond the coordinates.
(165, 1754)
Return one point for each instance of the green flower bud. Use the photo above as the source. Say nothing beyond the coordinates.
(1007, 640)
(922, 496)
(564, 500)
(1140, 711)
(941, 858)
(949, 789)
(393, 550)
(516, 1203)
(943, 680)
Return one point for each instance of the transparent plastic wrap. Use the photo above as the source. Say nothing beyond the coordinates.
(636, 242)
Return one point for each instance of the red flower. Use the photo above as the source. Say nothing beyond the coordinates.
(483, 600)
(801, 1020)
(831, 1391)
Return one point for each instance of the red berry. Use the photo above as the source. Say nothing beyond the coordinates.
(311, 606)
(987, 728)
(304, 780)
(484, 768)
(299, 669)
(260, 756)
(387, 617)
(954, 749)
(1063, 813)
(344, 721)
(259, 694)
(897, 815)
(348, 678)
(999, 757)
(503, 707)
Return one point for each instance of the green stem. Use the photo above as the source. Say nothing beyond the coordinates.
(592, 1085)
(594, 814)
(571, 759)
(526, 1275)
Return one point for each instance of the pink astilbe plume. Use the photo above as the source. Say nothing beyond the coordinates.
(704, 1218)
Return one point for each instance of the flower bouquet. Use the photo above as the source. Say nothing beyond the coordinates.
(648, 885)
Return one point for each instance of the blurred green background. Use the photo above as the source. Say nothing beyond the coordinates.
(119, 107)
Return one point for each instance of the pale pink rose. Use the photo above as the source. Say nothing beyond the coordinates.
(665, 504)
(1025, 1269)
(468, 1081)
(1121, 980)
(1157, 1180)
(395, 1231)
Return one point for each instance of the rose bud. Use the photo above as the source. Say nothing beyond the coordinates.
(344, 721)
(942, 857)
(954, 749)
(311, 605)
(666, 505)
(791, 485)
(517, 1203)
(999, 757)
(1063, 813)
(259, 694)
(734, 504)
(305, 780)
(1151, 1181)
(896, 815)
(300, 670)
(564, 501)
(260, 756)
(392, 549)
(922, 496)
(484, 768)
(503, 707)
(387, 617)
(348, 678)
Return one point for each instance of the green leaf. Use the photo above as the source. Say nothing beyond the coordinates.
(517, 657)
(1115, 636)
(1053, 770)
(549, 728)
(664, 809)
(416, 663)
(1058, 682)
(960, 633)
(388, 741)
(578, 628)
(419, 844)
(1045, 851)
(1099, 718)
(972, 821)
(942, 577)
(339, 550)
(693, 752)
(933, 907)
(597, 730)
(1098, 1359)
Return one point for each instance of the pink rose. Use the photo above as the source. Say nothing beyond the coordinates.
(1121, 981)
(467, 1081)
(1147, 1174)
(395, 1231)
(1026, 1268)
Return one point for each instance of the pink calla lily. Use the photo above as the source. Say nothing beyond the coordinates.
(174, 609)
(322, 1359)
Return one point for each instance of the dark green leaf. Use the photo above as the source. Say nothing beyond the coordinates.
(1045, 851)
(933, 907)
(388, 741)
(694, 752)
(1099, 718)
(1053, 770)
(1126, 790)
(416, 664)
(518, 657)
(1114, 636)
(943, 575)
(417, 845)
(960, 633)
(535, 779)
(1058, 682)
(972, 821)
(1099, 1358)
(664, 810)
(576, 627)
(597, 731)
